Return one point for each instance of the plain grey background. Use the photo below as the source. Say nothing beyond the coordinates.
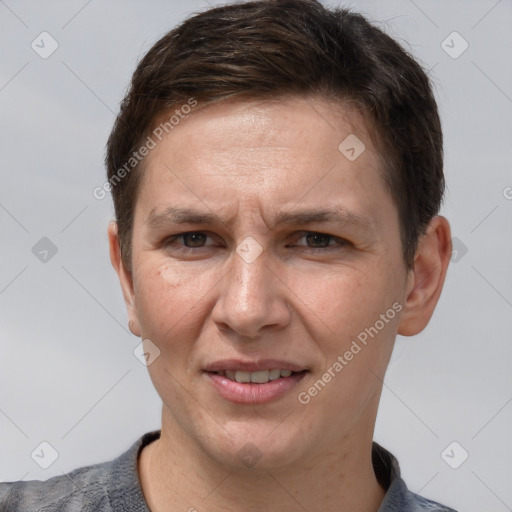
(68, 374)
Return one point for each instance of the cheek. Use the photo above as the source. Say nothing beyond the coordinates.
(165, 298)
(340, 300)
(347, 306)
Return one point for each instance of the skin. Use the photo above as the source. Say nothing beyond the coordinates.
(303, 299)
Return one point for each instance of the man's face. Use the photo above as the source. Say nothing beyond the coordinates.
(264, 279)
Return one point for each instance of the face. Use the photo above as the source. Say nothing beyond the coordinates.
(259, 245)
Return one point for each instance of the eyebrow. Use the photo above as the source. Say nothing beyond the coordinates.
(174, 215)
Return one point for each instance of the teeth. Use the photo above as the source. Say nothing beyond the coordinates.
(243, 376)
(259, 377)
(274, 374)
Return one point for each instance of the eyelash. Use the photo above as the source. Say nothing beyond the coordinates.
(340, 241)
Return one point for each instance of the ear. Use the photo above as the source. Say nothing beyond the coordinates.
(427, 278)
(125, 278)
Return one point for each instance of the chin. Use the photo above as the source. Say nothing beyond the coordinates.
(263, 447)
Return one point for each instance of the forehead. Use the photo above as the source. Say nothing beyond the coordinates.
(233, 124)
(274, 152)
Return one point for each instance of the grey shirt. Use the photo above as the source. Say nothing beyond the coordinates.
(115, 486)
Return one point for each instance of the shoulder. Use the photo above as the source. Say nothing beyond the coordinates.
(423, 504)
(398, 497)
(82, 489)
(105, 487)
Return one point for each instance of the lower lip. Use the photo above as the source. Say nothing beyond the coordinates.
(250, 392)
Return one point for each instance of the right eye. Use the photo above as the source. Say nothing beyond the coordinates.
(190, 239)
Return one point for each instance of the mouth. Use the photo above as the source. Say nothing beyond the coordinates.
(258, 377)
(249, 383)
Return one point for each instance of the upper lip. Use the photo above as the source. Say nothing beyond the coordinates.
(252, 366)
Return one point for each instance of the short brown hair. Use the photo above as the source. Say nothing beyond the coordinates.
(270, 48)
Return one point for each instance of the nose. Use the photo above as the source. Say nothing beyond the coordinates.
(252, 297)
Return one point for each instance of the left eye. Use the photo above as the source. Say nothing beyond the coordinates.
(320, 240)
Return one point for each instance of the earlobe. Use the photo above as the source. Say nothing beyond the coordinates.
(427, 278)
(125, 279)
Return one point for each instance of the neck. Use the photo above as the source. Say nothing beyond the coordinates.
(178, 475)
